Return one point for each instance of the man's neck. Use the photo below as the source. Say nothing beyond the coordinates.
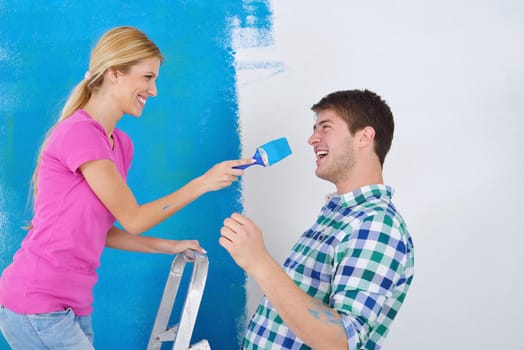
(363, 176)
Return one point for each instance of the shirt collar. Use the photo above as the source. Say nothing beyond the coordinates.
(361, 195)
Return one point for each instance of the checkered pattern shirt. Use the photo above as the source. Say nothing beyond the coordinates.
(357, 259)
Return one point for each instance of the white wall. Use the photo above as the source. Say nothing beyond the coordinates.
(453, 74)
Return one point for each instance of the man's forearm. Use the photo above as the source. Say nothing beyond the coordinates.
(316, 324)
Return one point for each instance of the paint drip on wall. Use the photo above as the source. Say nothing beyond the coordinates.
(254, 32)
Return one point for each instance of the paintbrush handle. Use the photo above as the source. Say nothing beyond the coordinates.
(258, 160)
(243, 166)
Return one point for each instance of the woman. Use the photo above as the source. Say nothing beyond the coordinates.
(80, 190)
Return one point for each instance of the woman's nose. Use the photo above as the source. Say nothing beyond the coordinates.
(152, 89)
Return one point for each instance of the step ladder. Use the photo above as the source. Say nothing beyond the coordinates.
(181, 333)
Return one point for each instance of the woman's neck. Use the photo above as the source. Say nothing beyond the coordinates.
(103, 111)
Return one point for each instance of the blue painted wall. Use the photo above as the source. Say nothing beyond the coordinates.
(191, 125)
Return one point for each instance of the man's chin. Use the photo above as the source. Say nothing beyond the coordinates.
(322, 175)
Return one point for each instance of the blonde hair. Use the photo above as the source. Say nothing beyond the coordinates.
(119, 48)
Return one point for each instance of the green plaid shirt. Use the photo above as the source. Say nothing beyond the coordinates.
(357, 259)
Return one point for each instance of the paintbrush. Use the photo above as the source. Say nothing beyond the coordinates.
(270, 153)
(266, 155)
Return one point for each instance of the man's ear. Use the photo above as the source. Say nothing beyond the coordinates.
(366, 136)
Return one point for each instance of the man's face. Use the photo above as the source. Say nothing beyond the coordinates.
(333, 146)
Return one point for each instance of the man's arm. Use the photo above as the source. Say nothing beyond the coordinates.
(316, 324)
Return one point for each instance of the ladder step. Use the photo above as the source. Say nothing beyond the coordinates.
(168, 334)
(201, 345)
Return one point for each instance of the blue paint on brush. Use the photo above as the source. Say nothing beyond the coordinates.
(270, 153)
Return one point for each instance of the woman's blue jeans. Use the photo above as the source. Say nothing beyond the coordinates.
(54, 330)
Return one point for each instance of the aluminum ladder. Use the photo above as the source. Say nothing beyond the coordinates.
(181, 333)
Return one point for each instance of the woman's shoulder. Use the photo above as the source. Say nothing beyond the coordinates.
(79, 119)
(78, 128)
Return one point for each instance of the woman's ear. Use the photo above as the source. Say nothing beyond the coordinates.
(112, 74)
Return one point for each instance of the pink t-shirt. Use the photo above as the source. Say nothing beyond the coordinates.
(55, 268)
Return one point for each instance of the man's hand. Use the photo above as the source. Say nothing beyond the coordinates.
(244, 242)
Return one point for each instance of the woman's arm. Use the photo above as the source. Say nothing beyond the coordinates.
(105, 181)
(120, 239)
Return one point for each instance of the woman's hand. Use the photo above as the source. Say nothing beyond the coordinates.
(176, 247)
(223, 174)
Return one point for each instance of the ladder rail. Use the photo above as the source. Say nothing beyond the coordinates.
(192, 302)
(181, 333)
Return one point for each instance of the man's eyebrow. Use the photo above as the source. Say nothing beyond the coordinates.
(320, 123)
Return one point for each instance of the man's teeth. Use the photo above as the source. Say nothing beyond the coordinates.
(321, 154)
(141, 100)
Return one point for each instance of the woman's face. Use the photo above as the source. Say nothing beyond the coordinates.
(132, 89)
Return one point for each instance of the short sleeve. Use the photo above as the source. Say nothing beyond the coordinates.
(78, 142)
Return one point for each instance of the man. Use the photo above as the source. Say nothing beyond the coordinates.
(346, 278)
